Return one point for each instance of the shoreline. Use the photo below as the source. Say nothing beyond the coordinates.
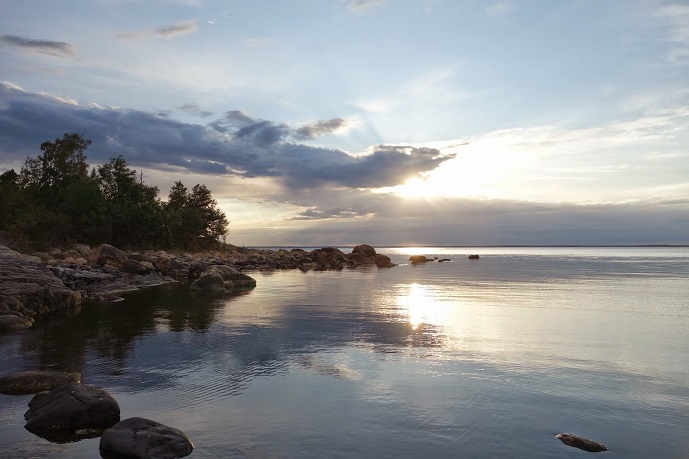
(37, 284)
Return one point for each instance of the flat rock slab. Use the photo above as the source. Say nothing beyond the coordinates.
(33, 382)
(143, 438)
(581, 443)
(71, 408)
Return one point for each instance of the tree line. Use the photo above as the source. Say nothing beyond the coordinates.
(54, 200)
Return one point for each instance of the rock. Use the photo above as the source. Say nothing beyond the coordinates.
(383, 261)
(148, 265)
(84, 250)
(142, 438)
(581, 443)
(196, 269)
(73, 254)
(28, 288)
(67, 409)
(443, 260)
(133, 267)
(107, 254)
(169, 266)
(12, 322)
(221, 277)
(473, 257)
(32, 382)
(365, 249)
(414, 259)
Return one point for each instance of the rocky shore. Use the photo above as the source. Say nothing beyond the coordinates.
(36, 284)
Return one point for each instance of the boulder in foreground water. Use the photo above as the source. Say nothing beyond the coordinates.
(142, 438)
(581, 443)
(65, 411)
(32, 382)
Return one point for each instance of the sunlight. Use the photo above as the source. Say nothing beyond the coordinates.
(420, 307)
(481, 169)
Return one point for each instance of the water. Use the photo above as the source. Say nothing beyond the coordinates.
(471, 359)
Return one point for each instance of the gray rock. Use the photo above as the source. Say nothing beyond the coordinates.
(107, 254)
(67, 409)
(27, 289)
(32, 382)
(221, 277)
(143, 438)
(133, 267)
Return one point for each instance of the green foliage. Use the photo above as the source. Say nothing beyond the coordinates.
(54, 201)
(193, 219)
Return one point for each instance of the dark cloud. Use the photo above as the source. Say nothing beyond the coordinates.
(235, 144)
(181, 28)
(48, 47)
(319, 128)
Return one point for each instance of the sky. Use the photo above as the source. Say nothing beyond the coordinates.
(388, 122)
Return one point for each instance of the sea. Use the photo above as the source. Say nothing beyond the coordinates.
(487, 358)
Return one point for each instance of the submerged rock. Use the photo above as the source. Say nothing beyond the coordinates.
(59, 414)
(142, 438)
(32, 382)
(581, 443)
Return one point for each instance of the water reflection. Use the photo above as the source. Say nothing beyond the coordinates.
(421, 307)
(165, 336)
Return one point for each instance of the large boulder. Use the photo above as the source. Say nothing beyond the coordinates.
(142, 438)
(365, 249)
(27, 289)
(32, 382)
(106, 254)
(221, 277)
(71, 408)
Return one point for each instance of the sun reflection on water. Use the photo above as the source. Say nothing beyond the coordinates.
(420, 306)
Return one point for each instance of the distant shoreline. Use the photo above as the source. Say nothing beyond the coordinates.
(478, 246)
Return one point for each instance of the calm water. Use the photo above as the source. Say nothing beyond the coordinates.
(471, 359)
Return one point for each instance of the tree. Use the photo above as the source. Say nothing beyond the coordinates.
(213, 220)
(133, 207)
(192, 219)
(62, 162)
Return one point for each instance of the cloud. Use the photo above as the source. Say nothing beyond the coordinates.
(234, 145)
(363, 6)
(676, 29)
(174, 30)
(47, 47)
(319, 128)
(499, 8)
(388, 220)
(195, 109)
